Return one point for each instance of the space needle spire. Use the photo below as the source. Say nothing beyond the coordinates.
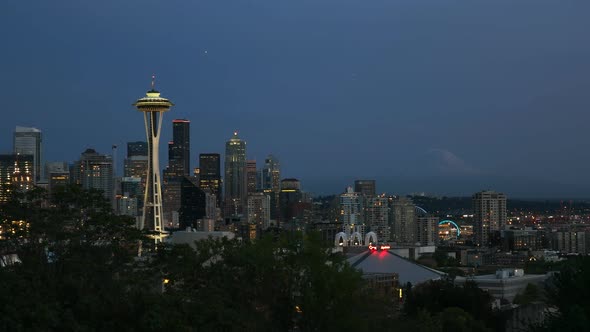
(153, 107)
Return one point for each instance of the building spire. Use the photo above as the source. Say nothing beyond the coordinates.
(153, 82)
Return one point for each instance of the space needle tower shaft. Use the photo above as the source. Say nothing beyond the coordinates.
(153, 107)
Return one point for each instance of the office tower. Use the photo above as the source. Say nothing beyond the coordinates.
(403, 229)
(235, 177)
(250, 176)
(153, 107)
(95, 171)
(27, 141)
(193, 203)
(259, 210)
(171, 195)
(291, 201)
(377, 216)
(365, 187)
(210, 174)
(270, 183)
(57, 174)
(179, 149)
(350, 212)
(136, 163)
(16, 173)
(427, 233)
(138, 148)
(489, 216)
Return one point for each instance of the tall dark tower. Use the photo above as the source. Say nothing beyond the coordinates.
(179, 149)
(235, 176)
(153, 108)
(210, 174)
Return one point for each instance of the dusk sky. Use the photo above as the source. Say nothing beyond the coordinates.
(446, 97)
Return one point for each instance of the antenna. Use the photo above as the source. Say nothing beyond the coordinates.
(153, 81)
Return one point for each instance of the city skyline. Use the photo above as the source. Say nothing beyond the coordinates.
(405, 117)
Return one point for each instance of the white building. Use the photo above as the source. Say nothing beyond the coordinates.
(258, 211)
(27, 141)
(350, 213)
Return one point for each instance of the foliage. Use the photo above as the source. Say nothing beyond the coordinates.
(79, 271)
(530, 294)
(568, 294)
(436, 297)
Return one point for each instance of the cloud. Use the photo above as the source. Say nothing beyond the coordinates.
(448, 162)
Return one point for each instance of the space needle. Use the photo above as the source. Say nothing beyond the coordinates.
(153, 107)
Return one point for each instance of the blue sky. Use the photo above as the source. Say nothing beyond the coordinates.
(440, 96)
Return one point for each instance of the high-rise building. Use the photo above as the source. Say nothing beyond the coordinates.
(210, 174)
(193, 203)
(365, 187)
(153, 107)
(95, 171)
(489, 216)
(251, 176)
(136, 163)
(16, 173)
(27, 141)
(427, 233)
(377, 216)
(292, 203)
(350, 212)
(179, 149)
(57, 174)
(235, 176)
(259, 210)
(269, 181)
(403, 228)
(138, 148)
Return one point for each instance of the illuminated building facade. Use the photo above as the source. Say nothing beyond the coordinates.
(259, 210)
(269, 181)
(350, 213)
(377, 216)
(251, 176)
(95, 171)
(210, 174)
(153, 107)
(235, 176)
(427, 233)
(16, 173)
(489, 215)
(27, 141)
(136, 163)
(403, 228)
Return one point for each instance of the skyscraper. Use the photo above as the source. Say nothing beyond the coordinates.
(136, 163)
(153, 108)
(27, 141)
(269, 182)
(95, 171)
(138, 148)
(251, 176)
(16, 173)
(427, 233)
(210, 174)
(403, 228)
(57, 174)
(235, 176)
(259, 210)
(179, 149)
(350, 212)
(377, 216)
(365, 187)
(489, 215)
